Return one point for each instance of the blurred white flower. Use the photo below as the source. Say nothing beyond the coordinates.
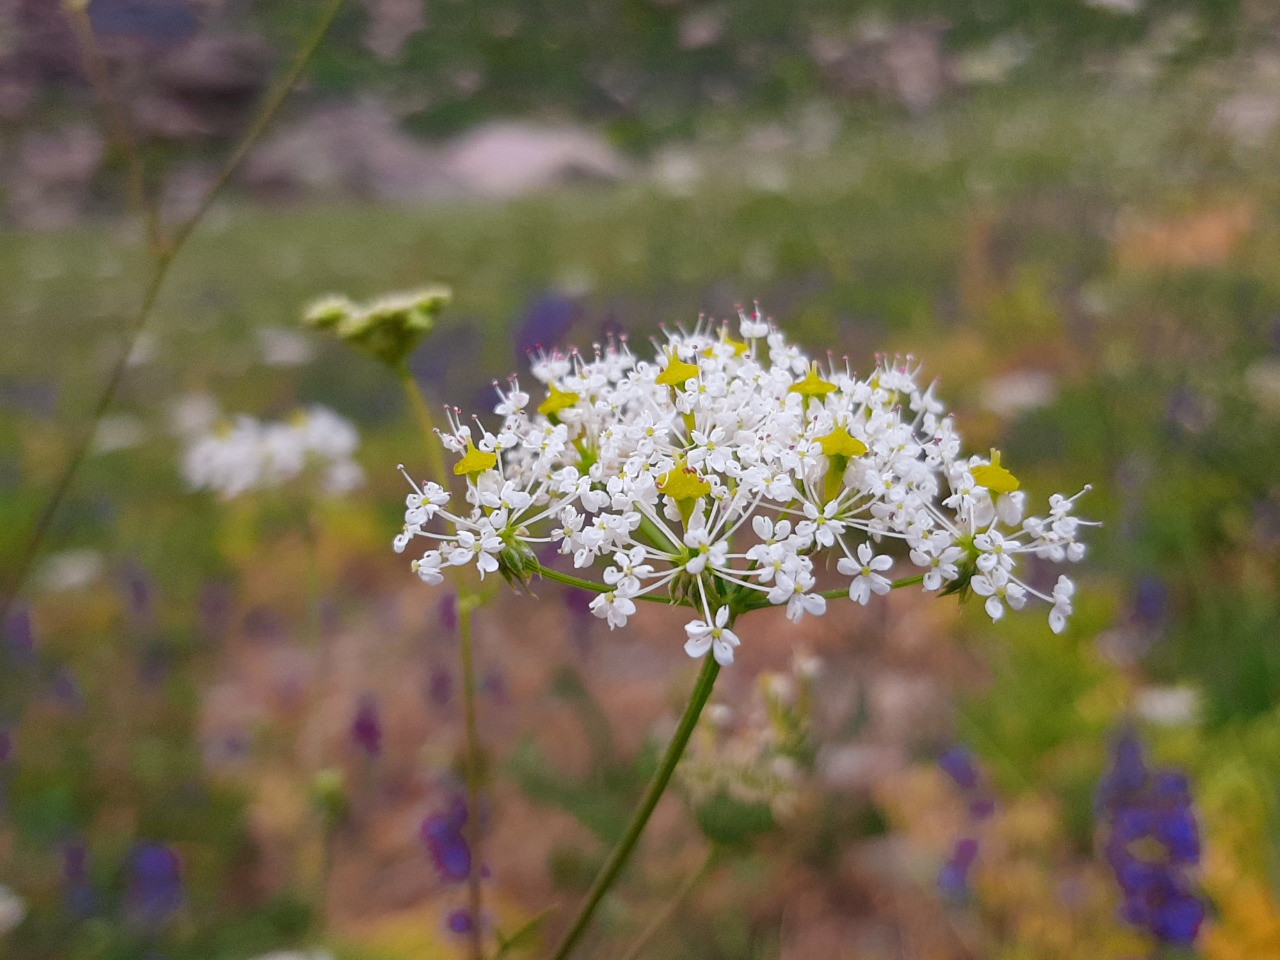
(192, 414)
(1263, 380)
(282, 347)
(1124, 7)
(1019, 390)
(247, 454)
(71, 569)
(118, 431)
(1167, 706)
(13, 909)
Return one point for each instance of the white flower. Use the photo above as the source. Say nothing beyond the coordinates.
(999, 589)
(482, 546)
(726, 475)
(718, 638)
(614, 607)
(866, 578)
(752, 327)
(428, 567)
(943, 566)
(1062, 593)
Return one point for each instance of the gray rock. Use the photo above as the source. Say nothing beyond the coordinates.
(509, 159)
(48, 182)
(902, 62)
(355, 149)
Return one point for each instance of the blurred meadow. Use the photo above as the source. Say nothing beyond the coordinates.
(233, 727)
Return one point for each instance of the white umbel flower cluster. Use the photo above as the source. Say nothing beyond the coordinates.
(244, 454)
(724, 475)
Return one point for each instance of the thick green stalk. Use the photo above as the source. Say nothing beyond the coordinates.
(427, 424)
(896, 584)
(657, 786)
(569, 580)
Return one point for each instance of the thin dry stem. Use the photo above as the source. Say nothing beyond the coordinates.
(163, 257)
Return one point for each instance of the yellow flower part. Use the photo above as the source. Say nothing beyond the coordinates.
(995, 477)
(683, 483)
(841, 443)
(739, 348)
(475, 462)
(557, 400)
(813, 385)
(677, 371)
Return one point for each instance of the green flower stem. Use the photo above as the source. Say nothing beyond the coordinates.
(569, 580)
(426, 422)
(164, 255)
(904, 582)
(668, 911)
(118, 128)
(465, 606)
(657, 786)
(468, 601)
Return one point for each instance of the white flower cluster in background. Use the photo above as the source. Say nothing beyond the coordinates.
(760, 754)
(234, 457)
(13, 910)
(725, 474)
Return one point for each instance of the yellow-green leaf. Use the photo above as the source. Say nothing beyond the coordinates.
(557, 400)
(841, 443)
(677, 371)
(475, 462)
(813, 385)
(683, 483)
(995, 477)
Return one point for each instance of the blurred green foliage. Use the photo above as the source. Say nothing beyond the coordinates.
(1034, 227)
(651, 70)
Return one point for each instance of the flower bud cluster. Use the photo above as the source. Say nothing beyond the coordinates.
(387, 328)
(725, 474)
(247, 454)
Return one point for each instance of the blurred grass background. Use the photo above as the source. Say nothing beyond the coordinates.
(1083, 252)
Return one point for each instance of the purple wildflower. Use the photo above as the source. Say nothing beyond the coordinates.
(19, 635)
(494, 685)
(214, 608)
(66, 689)
(957, 763)
(953, 878)
(449, 613)
(366, 727)
(1150, 600)
(961, 766)
(78, 894)
(443, 835)
(1153, 843)
(440, 686)
(139, 590)
(578, 603)
(459, 922)
(155, 883)
(546, 320)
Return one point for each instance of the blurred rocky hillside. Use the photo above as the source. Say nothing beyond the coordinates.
(415, 101)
